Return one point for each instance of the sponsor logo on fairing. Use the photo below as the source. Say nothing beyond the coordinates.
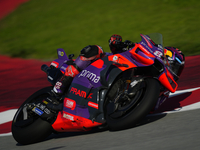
(37, 111)
(80, 93)
(91, 76)
(69, 103)
(94, 105)
(67, 116)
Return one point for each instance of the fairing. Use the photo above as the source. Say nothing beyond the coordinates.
(83, 103)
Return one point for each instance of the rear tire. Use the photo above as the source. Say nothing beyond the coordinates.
(33, 129)
(135, 111)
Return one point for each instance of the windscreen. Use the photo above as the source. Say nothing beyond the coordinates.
(157, 39)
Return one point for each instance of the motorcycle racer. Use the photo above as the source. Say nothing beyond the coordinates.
(175, 60)
(116, 45)
(116, 91)
(89, 54)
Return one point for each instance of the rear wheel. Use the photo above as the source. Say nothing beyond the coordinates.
(125, 107)
(27, 126)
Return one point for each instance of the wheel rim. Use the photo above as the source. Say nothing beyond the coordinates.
(124, 102)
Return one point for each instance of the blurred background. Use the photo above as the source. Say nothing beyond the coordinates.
(38, 27)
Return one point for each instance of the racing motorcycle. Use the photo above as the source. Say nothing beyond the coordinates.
(116, 91)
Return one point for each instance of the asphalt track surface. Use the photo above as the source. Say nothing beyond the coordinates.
(163, 130)
(171, 132)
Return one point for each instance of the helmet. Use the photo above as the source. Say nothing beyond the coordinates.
(115, 43)
(176, 60)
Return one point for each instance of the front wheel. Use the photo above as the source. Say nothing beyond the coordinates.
(28, 127)
(125, 108)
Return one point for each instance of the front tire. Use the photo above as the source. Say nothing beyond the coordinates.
(31, 129)
(121, 114)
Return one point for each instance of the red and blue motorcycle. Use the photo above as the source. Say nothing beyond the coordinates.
(116, 91)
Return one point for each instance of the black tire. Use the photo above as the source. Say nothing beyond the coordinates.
(136, 111)
(33, 129)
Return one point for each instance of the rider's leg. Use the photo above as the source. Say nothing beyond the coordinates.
(64, 83)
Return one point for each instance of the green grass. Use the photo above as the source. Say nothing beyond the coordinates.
(37, 28)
